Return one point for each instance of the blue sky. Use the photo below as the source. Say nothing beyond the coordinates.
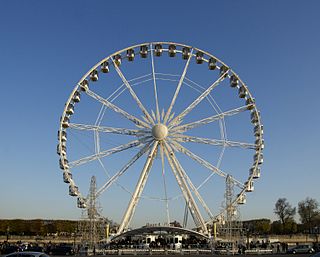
(47, 46)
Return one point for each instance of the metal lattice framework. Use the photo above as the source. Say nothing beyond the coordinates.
(232, 227)
(162, 124)
(92, 225)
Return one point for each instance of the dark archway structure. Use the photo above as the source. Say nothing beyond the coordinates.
(159, 230)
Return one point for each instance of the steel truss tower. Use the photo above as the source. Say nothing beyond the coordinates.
(232, 228)
(92, 226)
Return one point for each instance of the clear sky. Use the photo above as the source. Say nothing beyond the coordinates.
(47, 46)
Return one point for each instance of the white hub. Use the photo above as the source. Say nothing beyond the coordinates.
(159, 132)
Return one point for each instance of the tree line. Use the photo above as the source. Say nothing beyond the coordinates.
(37, 227)
(308, 211)
(309, 217)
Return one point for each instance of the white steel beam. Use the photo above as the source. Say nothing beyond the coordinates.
(122, 131)
(194, 189)
(198, 123)
(178, 88)
(155, 85)
(209, 141)
(138, 190)
(115, 177)
(109, 152)
(181, 185)
(179, 118)
(117, 109)
(133, 94)
(164, 182)
(198, 219)
(204, 163)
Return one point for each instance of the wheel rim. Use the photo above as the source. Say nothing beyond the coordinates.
(161, 135)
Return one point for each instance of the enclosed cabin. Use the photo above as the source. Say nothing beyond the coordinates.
(63, 135)
(255, 172)
(65, 122)
(94, 75)
(81, 203)
(249, 186)
(224, 71)
(64, 164)
(158, 50)
(73, 190)
(185, 53)
(130, 55)
(63, 149)
(144, 51)
(104, 67)
(212, 63)
(242, 92)
(117, 59)
(67, 176)
(70, 109)
(259, 144)
(258, 130)
(84, 85)
(241, 199)
(172, 50)
(258, 158)
(250, 103)
(255, 117)
(199, 57)
(234, 81)
(76, 97)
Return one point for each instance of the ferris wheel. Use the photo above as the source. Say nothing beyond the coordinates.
(161, 124)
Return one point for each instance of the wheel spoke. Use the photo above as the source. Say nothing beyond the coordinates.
(179, 118)
(139, 188)
(178, 88)
(203, 162)
(109, 152)
(108, 174)
(164, 182)
(133, 94)
(198, 219)
(179, 181)
(117, 109)
(193, 188)
(155, 85)
(115, 177)
(209, 141)
(208, 120)
(122, 131)
(96, 141)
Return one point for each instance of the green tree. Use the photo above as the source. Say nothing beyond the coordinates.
(276, 227)
(49, 227)
(309, 212)
(258, 226)
(285, 213)
(4, 224)
(290, 227)
(263, 226)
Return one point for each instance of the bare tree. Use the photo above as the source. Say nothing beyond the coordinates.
(285, 212)
(309, 212)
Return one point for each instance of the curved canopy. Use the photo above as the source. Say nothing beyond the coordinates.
(164, 230)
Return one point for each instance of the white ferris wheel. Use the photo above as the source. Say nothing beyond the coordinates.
(161, 126)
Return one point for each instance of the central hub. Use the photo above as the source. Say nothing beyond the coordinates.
(159, 132)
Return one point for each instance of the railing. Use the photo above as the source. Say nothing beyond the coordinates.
(157, 251)
(259, 251)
